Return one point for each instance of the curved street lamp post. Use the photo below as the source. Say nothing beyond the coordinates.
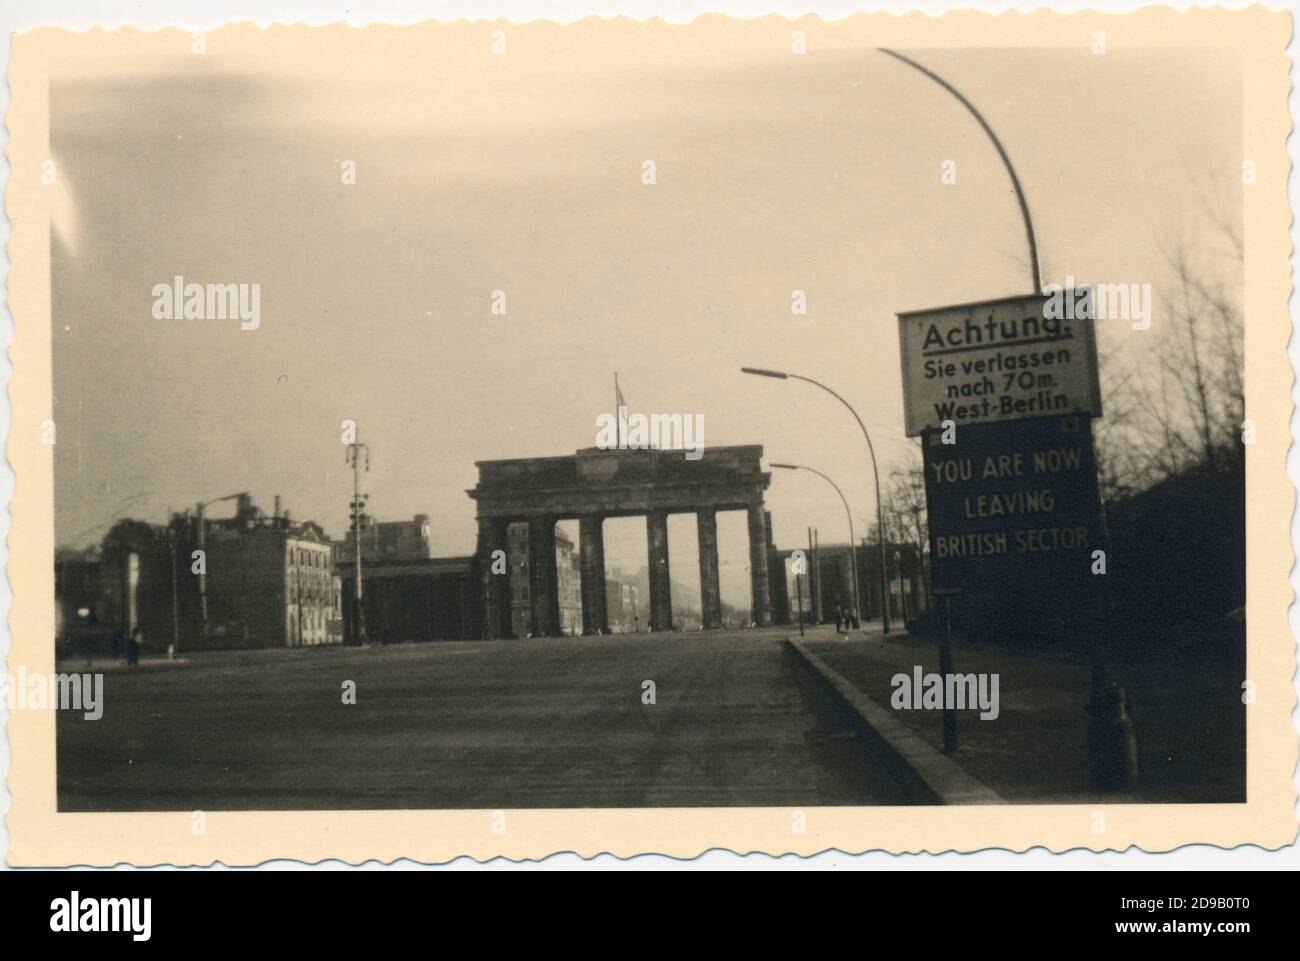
(853, 548)
(875, 470)
(1006, 160)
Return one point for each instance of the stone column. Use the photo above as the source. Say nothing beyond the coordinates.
(706, 526)
(495, 586)
(591, 557)
(661, 601)
(761, 613)
(543, 581)
(778, 588)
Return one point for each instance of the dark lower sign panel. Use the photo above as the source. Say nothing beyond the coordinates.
(1014, 506)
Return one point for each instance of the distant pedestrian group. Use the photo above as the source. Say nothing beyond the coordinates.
(134, 642)
(845, 619)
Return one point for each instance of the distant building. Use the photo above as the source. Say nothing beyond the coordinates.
(137, 589)
(623, 606)
(264, 582)
(778, 593)
(414, 600)
(568, 582)
(271, 581)
(77, 595)
(829, 580)
(388, 541)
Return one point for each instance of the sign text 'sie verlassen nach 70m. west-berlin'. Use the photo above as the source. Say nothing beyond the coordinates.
(995, 360)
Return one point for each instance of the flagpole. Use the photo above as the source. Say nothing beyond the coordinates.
(618, 416)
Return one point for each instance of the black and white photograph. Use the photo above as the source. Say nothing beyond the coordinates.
(762, 416)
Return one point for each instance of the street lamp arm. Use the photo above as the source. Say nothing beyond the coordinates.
(764, 372)
(870, 447)
(1006, 160)
(843, 499)
(853, 541)
(228, 497)
(853, 550)
(880, 503)
(875, 470)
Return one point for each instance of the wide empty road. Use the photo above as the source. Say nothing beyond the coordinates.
(510, 724)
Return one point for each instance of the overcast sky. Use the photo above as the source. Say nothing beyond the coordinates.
(522, 173)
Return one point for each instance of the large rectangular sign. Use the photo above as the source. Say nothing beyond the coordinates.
(996, 360)
(1013, 505)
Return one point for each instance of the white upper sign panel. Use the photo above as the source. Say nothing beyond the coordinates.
(996, 360)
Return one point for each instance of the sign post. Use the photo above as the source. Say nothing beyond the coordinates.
(945, 669)
(1003, 393)
(798, 583)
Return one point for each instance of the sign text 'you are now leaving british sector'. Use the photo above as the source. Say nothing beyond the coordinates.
(996, 360)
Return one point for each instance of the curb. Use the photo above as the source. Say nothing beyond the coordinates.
(921, 769)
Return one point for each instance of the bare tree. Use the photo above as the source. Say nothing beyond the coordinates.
(1179, 407)
(904, 513)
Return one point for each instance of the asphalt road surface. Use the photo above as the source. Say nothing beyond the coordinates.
(510, 724)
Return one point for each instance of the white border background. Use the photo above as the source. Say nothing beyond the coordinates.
(196, 15)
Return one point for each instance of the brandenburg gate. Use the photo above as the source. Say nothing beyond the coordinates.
(594, 484)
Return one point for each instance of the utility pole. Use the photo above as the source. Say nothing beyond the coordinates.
(200, 524)
(817, 566)
(798, 586)
(945, 668)
(171, 547)
(354, 455)
(203, 553)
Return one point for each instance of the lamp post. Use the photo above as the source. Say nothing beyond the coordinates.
(201, 533)
(1002, 153)
(355, 452)
(902, 583)
(875, 470)
(853, 548)
(1102, 707)
(176, 621)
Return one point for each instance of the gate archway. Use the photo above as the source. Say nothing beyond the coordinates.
(594, 484)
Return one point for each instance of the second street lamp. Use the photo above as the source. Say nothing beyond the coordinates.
(875, 470)
(853, 544)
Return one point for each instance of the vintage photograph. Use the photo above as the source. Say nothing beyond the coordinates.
(501, 418)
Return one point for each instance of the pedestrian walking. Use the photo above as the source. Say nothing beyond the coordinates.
(133, 646)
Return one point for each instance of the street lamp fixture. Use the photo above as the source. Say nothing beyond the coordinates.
(853, 544)
(875, 470)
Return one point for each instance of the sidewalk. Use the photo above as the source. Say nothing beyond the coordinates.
(1188, 718)
(80, 664)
